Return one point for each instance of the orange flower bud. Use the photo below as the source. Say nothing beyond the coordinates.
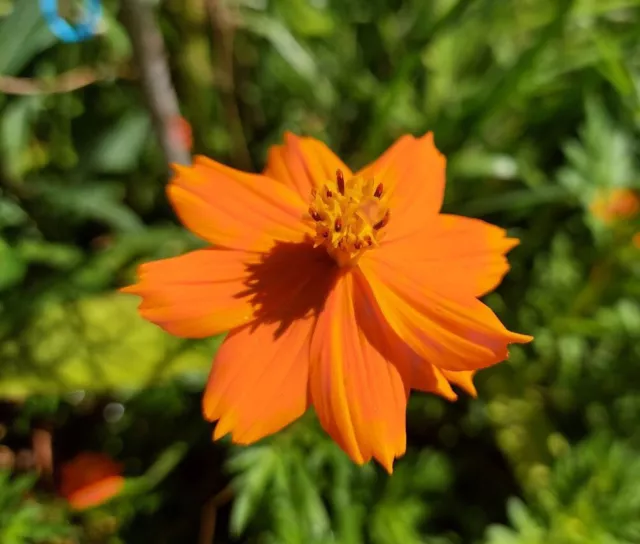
(615, 205)
(90, 479)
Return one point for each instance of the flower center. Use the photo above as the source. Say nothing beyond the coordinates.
(349, 217)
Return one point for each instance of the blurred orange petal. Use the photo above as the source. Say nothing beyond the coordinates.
(302, 164)
(612, 205)
(234, 209)
(359, 396)
(181, 130)
(90, 479)
(196, 295)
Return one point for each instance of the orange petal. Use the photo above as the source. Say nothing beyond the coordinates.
(235, 209)
(386, 165)
(259, 379)
(413, 171)
(463, 380)
(90, 479)
(454, 254)
(258, 383)
(359, 396)
(302, 164)
(96, 493)
(453, 331)
(415, 371)
(196, 295)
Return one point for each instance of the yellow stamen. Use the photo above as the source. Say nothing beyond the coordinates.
(349, 216)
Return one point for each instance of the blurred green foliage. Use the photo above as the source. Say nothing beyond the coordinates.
(536, 104)
(24, 520)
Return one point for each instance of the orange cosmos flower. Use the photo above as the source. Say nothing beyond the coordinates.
(343, 291)
(90, 479)
(615, 204)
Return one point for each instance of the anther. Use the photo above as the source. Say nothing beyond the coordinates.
(314, 214)
(378, 192)
(329, 193)
(340, 181)
(358, 245)
(383, 222)
(338, 225)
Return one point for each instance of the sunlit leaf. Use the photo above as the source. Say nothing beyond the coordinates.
(97, 344)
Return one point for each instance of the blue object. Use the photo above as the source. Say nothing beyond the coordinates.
(63, 29)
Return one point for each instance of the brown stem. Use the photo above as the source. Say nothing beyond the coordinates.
(209, 515)
(42, 446)
(68, 81)
(151, 60)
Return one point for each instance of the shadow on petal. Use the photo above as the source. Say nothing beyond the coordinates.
(290, 283)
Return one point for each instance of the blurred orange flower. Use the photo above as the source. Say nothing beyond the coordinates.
(90, 479)
(182, 131)
(615, 204)
(343, 291)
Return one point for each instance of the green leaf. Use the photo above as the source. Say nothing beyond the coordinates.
(306, 19)
(118, 149)
(158, 471)
(292, 51)
(15, 132)
(100, 201)
(12, 266)
(11, 213)
(98, 344)
(58, 256)
(256, 467)
(23, 34)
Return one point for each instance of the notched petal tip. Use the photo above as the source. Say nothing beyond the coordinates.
(510, 243)
(517, 338)
(429, 139)
(456, 332)
(175, 168)
(358, 394)
(221, 430)
(181, 170)
(259, 379)
(387, 464)
(464, 380)
(447, 394)
(470, 388)
(130, 289)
